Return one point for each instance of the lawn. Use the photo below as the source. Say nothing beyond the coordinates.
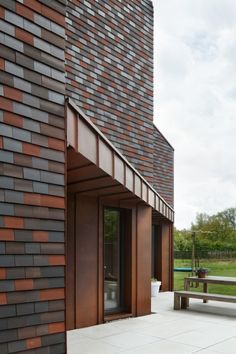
(216, 267)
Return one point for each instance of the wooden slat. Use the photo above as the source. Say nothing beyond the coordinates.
(206, 296)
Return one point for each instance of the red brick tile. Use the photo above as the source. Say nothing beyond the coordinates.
(2, 64)
(56, 327)
(2, 273)
(12, 93)
(56, 144)
(6, 104)
(34, 5)
(55, 202)
(52, 294)
(40, 236)
(24, 11)
(56, 260)
(21, 160)
(24, 284)
(33, 343)
(13, 222)
(1, 142)
(2, 12)
(32, 199)
(6, 235)
(24, 36)
(44, 200)
(53, 15)
(13, 119)
(30, 149)
(3, 299)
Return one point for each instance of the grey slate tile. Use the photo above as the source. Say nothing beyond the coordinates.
(24, 309)
(31, 100)
(24, 61)
(32, 248)
(39, 115)
(42, 21)
(6, 156)
(16, 346)
(24, 261)
(32, 28)
(22, 84)
(21, 134)
(39, 163)
(41, 306)
(7, 311)
(40, 187)
(12, 145)
(2, 244)
(22, 109)
(7, 285)
(31, 125)
(49, 176)
(7, 28)
(13, 43)
(14, 197)
(8, 4)
(52, 155)
(42, 68)
(42, 45)
(6, 182)
(31, 174)
(6, 209)
(6, 130)
(7, 261)
(23, 235)
(14, 18)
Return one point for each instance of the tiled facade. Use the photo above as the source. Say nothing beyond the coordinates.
(100, 53)
(163, 167)
(109, 64)
(32, 156)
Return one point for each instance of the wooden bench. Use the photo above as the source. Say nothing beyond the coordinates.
(181, 297)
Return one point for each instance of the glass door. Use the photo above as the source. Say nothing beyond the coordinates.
(113, 261)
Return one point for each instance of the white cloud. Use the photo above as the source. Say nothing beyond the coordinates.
(195, 106)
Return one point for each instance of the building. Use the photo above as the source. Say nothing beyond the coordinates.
(86, 178)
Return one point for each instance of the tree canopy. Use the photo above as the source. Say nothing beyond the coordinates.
(213, 232)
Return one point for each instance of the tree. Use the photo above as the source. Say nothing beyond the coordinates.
(215, 232)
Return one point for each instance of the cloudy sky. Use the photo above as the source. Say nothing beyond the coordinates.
(195, 100)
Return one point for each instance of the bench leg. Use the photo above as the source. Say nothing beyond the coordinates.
(186, 287)
(184, 302)
(205, 290)
(176, 302)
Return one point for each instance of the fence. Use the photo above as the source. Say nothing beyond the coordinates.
(206, 254)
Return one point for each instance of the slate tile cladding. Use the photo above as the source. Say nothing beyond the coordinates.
(163, 176)
(109, 65)
(32, 176)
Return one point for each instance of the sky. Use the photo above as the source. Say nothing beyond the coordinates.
(195, 101)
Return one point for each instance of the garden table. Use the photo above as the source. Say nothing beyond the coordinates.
(208, 280)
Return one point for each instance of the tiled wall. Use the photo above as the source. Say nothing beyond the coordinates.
(163, 176)
(32, 154)
(109, 63)
(109, 75)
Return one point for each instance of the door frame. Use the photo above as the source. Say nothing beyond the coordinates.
(128, 249)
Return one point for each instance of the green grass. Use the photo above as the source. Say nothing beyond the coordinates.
(216, 267)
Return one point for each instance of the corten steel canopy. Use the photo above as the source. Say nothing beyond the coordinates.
(92, 145)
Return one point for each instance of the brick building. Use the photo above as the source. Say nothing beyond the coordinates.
(86, 179)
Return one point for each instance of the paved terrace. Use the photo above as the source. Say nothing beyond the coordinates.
(204, 329)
